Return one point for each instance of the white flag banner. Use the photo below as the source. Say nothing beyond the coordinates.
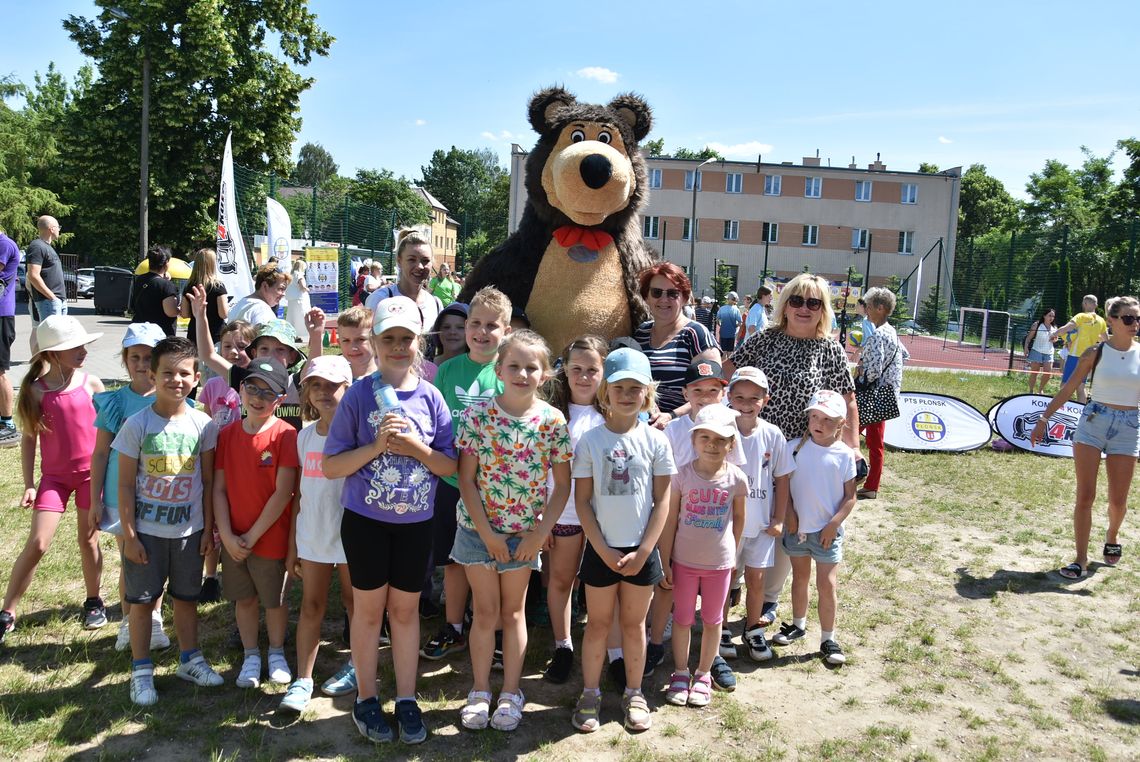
(280, 231)
(233, 262)
(918, 288)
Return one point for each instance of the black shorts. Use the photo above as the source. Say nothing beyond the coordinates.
(446, 499)
(595, 573)
(380, 553)
(7, 339)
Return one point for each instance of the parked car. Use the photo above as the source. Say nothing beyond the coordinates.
(70, 282)
(85, 282)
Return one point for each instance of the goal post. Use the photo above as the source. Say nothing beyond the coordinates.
(1002, 325)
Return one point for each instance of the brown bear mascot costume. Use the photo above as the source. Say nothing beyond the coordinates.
(573, 262)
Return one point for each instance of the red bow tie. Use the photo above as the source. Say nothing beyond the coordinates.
(572, 235)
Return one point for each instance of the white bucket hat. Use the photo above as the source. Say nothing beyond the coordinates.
(56, 333)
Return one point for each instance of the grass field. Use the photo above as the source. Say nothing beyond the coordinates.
(962, 645)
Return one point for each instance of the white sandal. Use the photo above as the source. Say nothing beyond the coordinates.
(473, 716)
(508, 714)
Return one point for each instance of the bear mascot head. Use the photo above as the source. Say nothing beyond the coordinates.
(572, 265)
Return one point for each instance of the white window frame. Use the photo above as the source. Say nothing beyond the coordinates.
(906, 243)
(689, 179)
(811, 235)
(686, 228)
(732, 230)
(813, 187)
(654, 179)
(772, 184)
(770, 232)
(734, 182)
(859, 238)
(651, 226)
(864, 190)
(909, 193)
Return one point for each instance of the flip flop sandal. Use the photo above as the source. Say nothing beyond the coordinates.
(1112, 553)
(1073, 571)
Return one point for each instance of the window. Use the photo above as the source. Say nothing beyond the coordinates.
(906, 242)
(731, 230)
(772, 185)
(770, 232)
(910, 193)
(813, 187)
(686, 224)
(862, 190)
(859, 238)
(655, 178)
(732, 272)
(733, 182)
(689, 179)
(811, 235)
(650, 226)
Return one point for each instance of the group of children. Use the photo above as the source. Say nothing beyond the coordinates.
(499, 462)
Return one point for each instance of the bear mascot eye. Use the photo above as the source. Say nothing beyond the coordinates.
(604, 137)
(577, 136)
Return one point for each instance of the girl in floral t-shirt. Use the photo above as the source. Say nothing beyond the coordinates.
(507, 447)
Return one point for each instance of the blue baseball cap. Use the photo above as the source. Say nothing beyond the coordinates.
(143, 333)
(628, 363)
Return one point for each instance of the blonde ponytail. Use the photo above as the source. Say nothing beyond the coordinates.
(29, 414)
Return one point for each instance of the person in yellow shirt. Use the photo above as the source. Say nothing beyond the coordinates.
(1089, 328)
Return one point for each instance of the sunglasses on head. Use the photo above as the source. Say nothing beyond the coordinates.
(1127, 319)
(257, 391)
(671, 293)
(812, 303)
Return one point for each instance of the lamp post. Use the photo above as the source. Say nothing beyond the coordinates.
(144, 142)
(693, 227)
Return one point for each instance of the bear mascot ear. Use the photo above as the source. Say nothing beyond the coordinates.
(635, 112)
(545, 104)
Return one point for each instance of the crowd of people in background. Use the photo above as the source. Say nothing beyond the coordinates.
(709, 456)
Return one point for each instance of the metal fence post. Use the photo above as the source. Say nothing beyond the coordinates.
(1131, 256)
(1009, 270)
(313, 219)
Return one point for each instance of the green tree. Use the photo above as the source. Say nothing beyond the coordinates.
(1056, 198)
(901, 312)
(1059, 293)
(315, 165)
(495, 209)
(212, 72)
(932, 313)
(1126, 197)
(928, 169)
(460, 178)
(721, 283)
(704, 153)
(381, 188)
(654, 147)
(984, 204)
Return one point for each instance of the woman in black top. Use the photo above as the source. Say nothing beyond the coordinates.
(155, 298)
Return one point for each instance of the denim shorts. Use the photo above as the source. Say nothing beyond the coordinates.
(469, 550)
(811, 547)
(1113, 432)
(1041, 357)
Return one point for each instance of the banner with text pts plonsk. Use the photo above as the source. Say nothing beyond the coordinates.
(233, 262)
(936, 423)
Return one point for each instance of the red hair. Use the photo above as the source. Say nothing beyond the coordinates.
(670, 272)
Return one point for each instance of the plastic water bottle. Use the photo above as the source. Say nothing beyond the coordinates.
(388, 403)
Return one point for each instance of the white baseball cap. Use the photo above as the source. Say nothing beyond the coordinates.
(748, 373)
(329, 367)
(718, 419)
(397, 312)
(56, 333)
(829, 403)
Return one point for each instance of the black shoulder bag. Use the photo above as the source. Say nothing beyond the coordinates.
(876, 400)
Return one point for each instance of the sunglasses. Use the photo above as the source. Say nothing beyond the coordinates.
(798, 301)
(258, 392)
(1127, 319)
(671, 293)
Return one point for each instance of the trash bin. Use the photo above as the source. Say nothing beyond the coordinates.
(112, 290)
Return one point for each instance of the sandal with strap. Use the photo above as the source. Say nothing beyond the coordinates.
(677, 693)
(701, 692)
(1112, 553)
(1073, 571)
(508, 714)
(474, 715)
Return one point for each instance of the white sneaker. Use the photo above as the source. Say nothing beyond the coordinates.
(142, 686)
(197, 671)
(123, 639)
(727, 647)
(158, 639)
(250, 674)
(279, 669)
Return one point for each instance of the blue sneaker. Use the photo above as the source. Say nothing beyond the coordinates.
(342, 683)
(370, 721)
(410, 720)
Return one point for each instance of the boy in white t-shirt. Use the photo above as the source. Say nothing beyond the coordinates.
(823, 496)
(769, 472)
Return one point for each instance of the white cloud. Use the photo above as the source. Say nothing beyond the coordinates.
(944, 140)
(488, 135)
(503, 135)
(600, 73)
(747, 150)
(421, 122)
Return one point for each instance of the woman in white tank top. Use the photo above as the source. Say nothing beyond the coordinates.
(1110, 424)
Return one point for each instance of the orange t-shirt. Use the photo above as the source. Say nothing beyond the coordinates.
(252, 460)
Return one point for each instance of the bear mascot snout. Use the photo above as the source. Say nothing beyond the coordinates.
(572, 265)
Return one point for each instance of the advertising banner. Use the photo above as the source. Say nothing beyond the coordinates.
(280, 233)
(1014, 419)
(323, 276)
(936, 423)
(233, 263)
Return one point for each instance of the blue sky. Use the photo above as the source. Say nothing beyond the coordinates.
(1008, 84)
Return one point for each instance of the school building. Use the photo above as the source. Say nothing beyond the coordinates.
(793, 216)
